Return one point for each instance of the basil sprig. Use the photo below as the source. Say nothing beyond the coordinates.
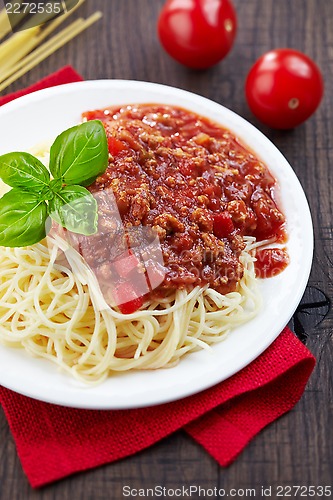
(77, 157)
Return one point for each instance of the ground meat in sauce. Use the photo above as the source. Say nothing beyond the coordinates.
(192, 182)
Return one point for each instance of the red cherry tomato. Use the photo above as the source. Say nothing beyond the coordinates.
(197, 33)
(283, 88)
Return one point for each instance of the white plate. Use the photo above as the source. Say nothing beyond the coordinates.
(41, 116)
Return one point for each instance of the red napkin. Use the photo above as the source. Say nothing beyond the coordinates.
(54, 442)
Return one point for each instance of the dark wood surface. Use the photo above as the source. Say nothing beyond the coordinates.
(298, 448)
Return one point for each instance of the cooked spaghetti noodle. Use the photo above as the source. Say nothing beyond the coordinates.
(57, 314)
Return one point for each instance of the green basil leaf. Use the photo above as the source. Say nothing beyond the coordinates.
(22, 170)
(23, 219)
(76, 209)
(80, 154)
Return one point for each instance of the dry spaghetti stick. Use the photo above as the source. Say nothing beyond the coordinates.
(6, 26)
(58, 21)
(42, 18)
(17, 47)
(40, 49)
(88, 22)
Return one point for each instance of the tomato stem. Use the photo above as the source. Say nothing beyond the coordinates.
(293, 103)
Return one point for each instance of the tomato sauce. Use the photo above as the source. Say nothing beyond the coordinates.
(195, 185)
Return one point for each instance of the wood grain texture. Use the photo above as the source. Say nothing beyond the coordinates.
(298, 448)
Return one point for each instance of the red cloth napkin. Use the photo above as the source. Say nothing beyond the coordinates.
(64, 75)
(54, 442)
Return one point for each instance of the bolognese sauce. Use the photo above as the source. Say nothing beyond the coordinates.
(195, 185)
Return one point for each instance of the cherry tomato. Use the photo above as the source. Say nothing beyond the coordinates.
(223, 225)
(197, 33)
(283, 88)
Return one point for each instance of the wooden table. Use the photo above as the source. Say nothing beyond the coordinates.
(298, 448)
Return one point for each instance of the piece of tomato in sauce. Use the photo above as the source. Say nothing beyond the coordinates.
(115, 146)
(98, 114)
(132, 306)
(270, 221)
(223, 225)
(270, 262)
(121, 293)
(268, 229)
